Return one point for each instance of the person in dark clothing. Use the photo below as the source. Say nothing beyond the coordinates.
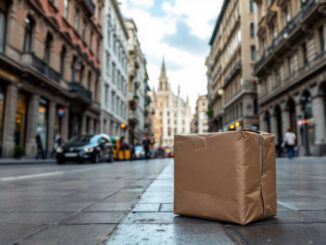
(40, 151)
(146, 144)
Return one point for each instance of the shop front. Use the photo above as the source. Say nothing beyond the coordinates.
(21, 122)
(43, 122)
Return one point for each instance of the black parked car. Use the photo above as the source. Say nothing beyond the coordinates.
(94, 148)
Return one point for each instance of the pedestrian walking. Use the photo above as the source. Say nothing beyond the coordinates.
(40, 151)
(289, 143)
(146, 145)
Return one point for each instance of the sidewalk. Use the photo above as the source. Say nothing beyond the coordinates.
(301, 215)
(22, 161)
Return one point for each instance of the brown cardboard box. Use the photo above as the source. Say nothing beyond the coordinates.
(227, 177)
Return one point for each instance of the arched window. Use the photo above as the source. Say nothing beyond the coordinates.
(89, 80)
(62, 60)
(73, 68)
(4, 5)
(47, 48)
(29, 29)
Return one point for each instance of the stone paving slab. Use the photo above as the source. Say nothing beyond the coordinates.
(296, 234)
(169, 234)
(95, 218)
(32, 218)
(12, 233)
(70, 234)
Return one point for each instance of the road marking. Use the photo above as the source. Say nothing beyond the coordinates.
(24, 177)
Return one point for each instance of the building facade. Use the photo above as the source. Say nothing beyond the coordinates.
(49, 72)
(232, 91)
(172, 111)
(114, 72)
(155, 121)
(137, 87)
(291, 71)
(199, 124)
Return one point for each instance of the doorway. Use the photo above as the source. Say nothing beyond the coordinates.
(21, 119)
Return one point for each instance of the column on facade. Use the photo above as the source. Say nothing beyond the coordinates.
(83, 125)
(32, 126)
(273, 124)
(65, 126)
(52, 115)
(262, 122)
(318, 108)
(286, 124)
(9, 121)
(91, 126)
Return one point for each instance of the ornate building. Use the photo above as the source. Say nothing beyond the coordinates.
(172, 111)
(114, 72)
(199, 124)
(232, 91)
(49, 71)
(291, 69)
(137, 86)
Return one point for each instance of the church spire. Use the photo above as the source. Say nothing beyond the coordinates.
(163, 69)
(164, 85)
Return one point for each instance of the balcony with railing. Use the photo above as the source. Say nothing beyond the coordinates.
(234, 71)
(32, 61)
(80, 94)
(290, 31)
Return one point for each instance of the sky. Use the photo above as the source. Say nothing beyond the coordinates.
(180, 31)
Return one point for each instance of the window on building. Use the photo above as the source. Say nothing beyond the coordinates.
(113, 73)
(252, 30)
(251, 6)
(108, 62)
(289, 66)
(91, 40)
(76, 19)
(47, 48)
(84, 30)
(112, 100)
(3, 24)
(255, 102)
(73, 68)
(108, 33)
(98, 46)
(67, 7)
(81, 74)
(322, 39)
(304, 54)
(117, 105)
(29, 29)
(253, 52)
(62, 60)
(106, 95)
(89, 80)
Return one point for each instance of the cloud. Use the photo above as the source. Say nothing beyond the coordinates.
(184, 40)
(180, 31)
(146, 4)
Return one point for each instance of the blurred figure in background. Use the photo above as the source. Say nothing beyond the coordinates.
(289, 143)
(40, 151)
(146, 144)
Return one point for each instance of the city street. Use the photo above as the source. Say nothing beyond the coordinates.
(106, 204)
(70, 204)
